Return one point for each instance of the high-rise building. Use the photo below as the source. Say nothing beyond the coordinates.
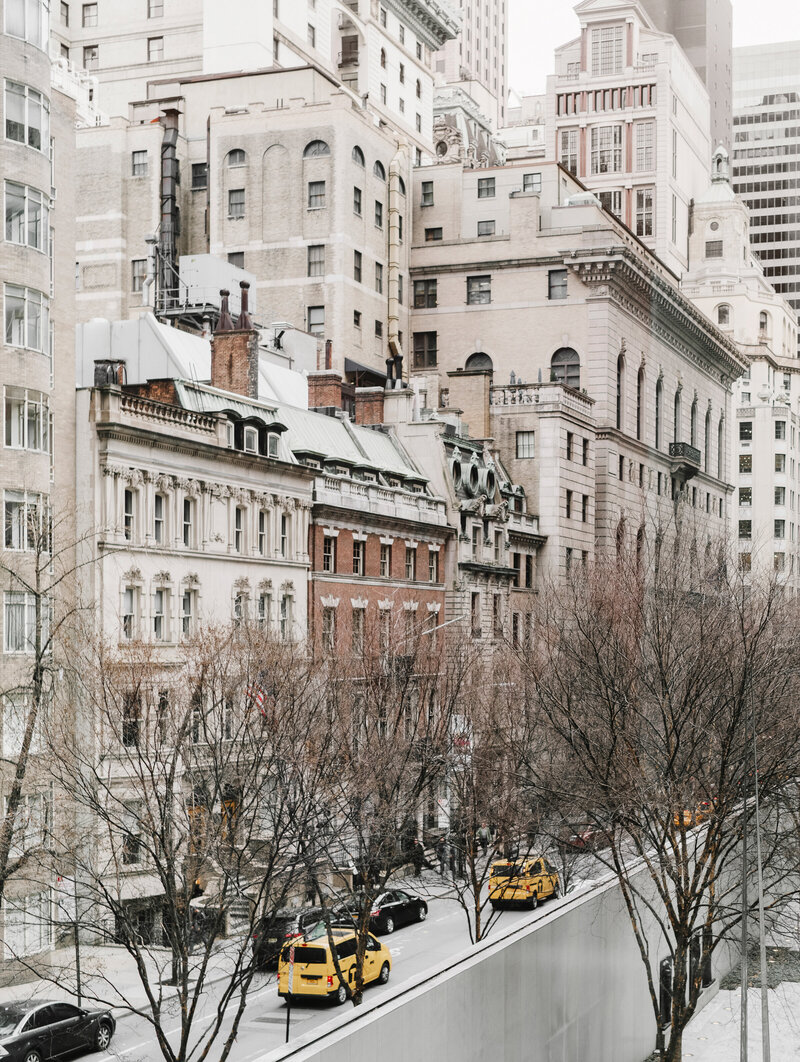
(704, 29)
(766, 173)
(477, 59)
(628, 114)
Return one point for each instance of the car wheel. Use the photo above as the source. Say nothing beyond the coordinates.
(383, 976)
(102, 1038)
(556, 891)
(388, 925)
(31, 1056)
(423, 913)
(534, 901)
(495, 905)
(340, 995)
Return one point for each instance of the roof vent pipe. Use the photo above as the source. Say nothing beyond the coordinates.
(244, 321)
(225, 322)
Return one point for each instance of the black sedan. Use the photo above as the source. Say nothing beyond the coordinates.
(37, 1030)
(390, 911)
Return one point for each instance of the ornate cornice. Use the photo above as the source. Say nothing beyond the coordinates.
(433, 23)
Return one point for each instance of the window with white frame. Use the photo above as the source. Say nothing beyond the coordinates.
(188, 521)
(27, 116)
(606, 50)
(138, 163)
(358, 556)
(128, 513)
(316, 195)
(239, 609)
(160, 614)
(262, 533)
(155, 49)
(612, 201)
(411, 562)
(236, 202)
(479, 290)
(386, 560)
(316, 259)
(264, 609)
(284, 535)
(31, 827)
(644, 211)
(27, 420)
(645, 145)
(328, 629)
(357, 631)
(138, 274)
(188, 610)
(433, 566)
(238, 529)
(315, 320)
(27, 213)
(132, 833)
(25, 521)
(159, 507)
(606, 149)
(16, 710)
(486, 187)
(28, 20)
(27, 924)
(285, 617)
(20, 621)
(27, 318)
(568, 150)
(128, 617)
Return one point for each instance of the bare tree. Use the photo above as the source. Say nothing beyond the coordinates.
(653, 691)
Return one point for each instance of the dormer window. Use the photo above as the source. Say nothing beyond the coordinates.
(251, 440)
(272, 444)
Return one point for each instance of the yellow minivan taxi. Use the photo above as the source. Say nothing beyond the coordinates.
(522, 881)
(314, 972)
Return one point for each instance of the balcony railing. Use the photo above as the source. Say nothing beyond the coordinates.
(349, 58)
(685, 459)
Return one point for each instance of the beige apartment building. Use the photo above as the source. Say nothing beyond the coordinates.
(477, 59)
(520, 273)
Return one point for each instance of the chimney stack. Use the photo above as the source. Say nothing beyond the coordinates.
(234, 349)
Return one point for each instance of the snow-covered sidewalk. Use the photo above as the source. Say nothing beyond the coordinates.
(713, 1034)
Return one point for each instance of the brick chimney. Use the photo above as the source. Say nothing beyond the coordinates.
(234, 350)
(325, 390)
(369, 405)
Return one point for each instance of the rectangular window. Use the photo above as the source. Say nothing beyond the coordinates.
(745, 562)
(19, 622)
(644, 211)
(328, 554)
(328, 629)
(433, 566)
(262, 533)
(357, 266)
(745, 529)
(584, 508)
(358, 556)
(606, 51)
(315, 320)
(386, 560)
(357, 631)
(424, 294)
(497, 615)
(138, 274)
(780, 529)
(780, 429)
(486, 228)
(311, 35)
(779, 562)
(379, 278)
(585, 454)
(28, 924)
(316, 259)
(316, 195)
(645, 146)
(780, 495)
(128, 615)
(486, 187)
(27, 116)
(127, 514)
(425, 353)
(612, 202)
(411, 562)
(25, 521)
(713, 248)
(426, 189)
(378, 329)
(745, 495)
(188, 521)
(606, 149)
(531, 182)
(138, 163)
(780, 462)
(528, 571)
(238, 529)
(378, 214)
(89, 15)
(745, 430)
(475, 615)
(159, 504)
(356, 201)
(570, 439)
(356, 318)
(91, 57)
(159, 613)
(27, 318)
(155, 49)
(569, 505)
(556, 283)
(199, 176)
(187, 612)
(284, 535)
(236, 202)
(27, 420)
(155, 8)
(27, 213)
(526, 441)
(64, 13)
(479, 290)
(433, 234)
(568, 154)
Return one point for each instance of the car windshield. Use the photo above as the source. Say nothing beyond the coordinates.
(10, 1017)
(505, 870)
(308, 955)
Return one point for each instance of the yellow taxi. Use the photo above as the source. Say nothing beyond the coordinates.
(522, 881)
(313, 972)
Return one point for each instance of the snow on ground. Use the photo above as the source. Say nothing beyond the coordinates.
(713, 1034)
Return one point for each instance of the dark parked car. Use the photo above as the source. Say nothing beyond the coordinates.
(390, 911)
(275, 928)
(38, 1030)
(584, 839)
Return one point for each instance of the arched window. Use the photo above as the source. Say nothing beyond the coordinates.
(721, 448)
(479, 360)
(693, 424)
(763, 322)
(659, 411)
(379, 171)
(723, 315)
(316, 149)
(401, 184)
(565, 367)
(620, 537)
(236, 157)
(383, 58)
(358, 156)
(676, 418)
(620, 389)
(707, 448)
(419, 89)
(640, 404)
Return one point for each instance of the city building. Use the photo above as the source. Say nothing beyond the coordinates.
(477, 58)
(628, 114)
(726, 281)
(704, 29)
(765, 172)
(518, 271)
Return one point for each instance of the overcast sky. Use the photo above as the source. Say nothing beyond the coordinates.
(536, 27)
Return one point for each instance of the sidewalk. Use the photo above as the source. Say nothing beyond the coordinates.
(109, 976)
(713, 1034)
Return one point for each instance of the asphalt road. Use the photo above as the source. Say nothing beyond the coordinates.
(414, 949)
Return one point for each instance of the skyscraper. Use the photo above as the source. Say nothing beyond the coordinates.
(477, 59)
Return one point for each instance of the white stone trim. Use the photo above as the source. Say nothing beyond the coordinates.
(433, 607)
(434, 549)
(386, 541)
(411, 606)
(330, 532)
(330, 602)
(359, 602)
(410, 544)
(358, 536)
(386, 606)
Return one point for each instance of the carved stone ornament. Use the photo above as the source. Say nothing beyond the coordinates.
(134, 477)
(411, 606)
(163, 577)
(113, 470)
(217, 536)
(265, 585)
(133, 575)
(288, 585)
(191, 579)
(433, 607)
(242, 585)
(385, 606)
(330, 602)
(358, 602)
(163, 482)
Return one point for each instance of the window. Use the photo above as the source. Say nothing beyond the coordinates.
(745, 529)
(779, 562)
(606, 149)
(386, 560)
(358, 556)
(531, 182)
(28, 924)
(27, 116)
(659, 412)
(357, 631)
(27, 212)
(129, 613)
(357, 156)
(356, 201)
(357, 266)
(585, 454)
(138, 163)
(64, 13)
(568, 509)
(780, 495)
(378, 214)
(486, 228)
(155, 8)
(316, 195)
(188, 521)
(356, 318)
(780, 462)
(236, 202)
(28, 20)
(316, 260)
(433, 566)
(328, 629)
(479, 290)
(585, 508)
(155, 48)
(724, 315)
(433, 234)
(411, 562)
(311, 35)
(424, 294)
(199, 176)
(379, 329)
(427, 193)
(606, 52)
(328, 553)
(20, 622)
(187, 612)
(486, 187)
(569, 150)
(138, 274)
(284, 535)
(620, 390)
(424, 350)
(91, 57)
(27, 420)
(780, 529)
(89, 15)
(236, 157)
(780, 429)
(159, 615)
(746, 430)
(238, 529)
(676, 417)
(745, 495)
(556, 283)
(644, 211)
(565, 367)
(379, 278)
(645, 146)
(383, 94)
(26, 521)
(526, 441)
(285, 616)
(27, 318)
(315, 320)
(316, 149)
(713, 248)
(475, 615)
(475, 542)
(763, 325)
(159, 504)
